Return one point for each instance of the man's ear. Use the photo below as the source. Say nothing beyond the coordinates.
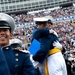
(11, 36)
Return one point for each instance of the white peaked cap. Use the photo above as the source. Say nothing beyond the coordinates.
(40, 19)
(7, 18)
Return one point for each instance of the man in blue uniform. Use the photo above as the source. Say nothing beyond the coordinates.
(4, 70)
(18, 61)
(49, 52)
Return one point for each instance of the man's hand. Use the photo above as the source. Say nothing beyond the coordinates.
(53, 32)
(56, 44)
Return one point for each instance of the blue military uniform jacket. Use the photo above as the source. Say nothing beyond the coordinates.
(4, 70)
(38, 33)
(18, 62)
(46, 39)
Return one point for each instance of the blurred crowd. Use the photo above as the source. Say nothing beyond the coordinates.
(66, 32)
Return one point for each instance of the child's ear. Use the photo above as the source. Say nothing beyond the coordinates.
(11, 36)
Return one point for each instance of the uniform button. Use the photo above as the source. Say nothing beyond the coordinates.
(16, 59)
(16, 54)
(16, 66)
(7, 48)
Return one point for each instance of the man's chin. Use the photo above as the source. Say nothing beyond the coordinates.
(3, 44)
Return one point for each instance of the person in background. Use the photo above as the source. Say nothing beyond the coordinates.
(49, 25)
(18, 62)
(16, 43)
(49, 53)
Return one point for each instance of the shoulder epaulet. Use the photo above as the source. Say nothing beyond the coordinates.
(24, 51)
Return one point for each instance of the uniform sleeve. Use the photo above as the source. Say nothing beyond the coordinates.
(43, 51)
(28, 68)
(40, 33)
(4, 70)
